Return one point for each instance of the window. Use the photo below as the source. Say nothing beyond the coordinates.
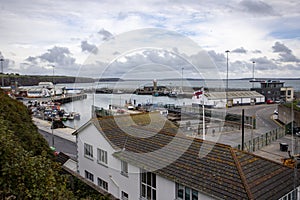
(89, 176)
(103, 184)
(293, 195)
(124, 196)
(102, 156)
(124, 168)
(88, 150)
(185, 193)
(148, 185)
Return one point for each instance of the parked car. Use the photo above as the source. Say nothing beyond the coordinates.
(269, 101)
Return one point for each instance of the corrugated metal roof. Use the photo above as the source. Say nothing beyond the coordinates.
(233, 95)
(224, 173)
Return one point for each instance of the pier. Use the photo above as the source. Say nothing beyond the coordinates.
(60, 99)
(70, 98)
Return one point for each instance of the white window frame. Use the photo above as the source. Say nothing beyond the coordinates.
(184, 192)
(294, 194)
(88, 175)
(124, 196)
(124, 168)
(88, 151)
(102, 183)
(102, 156)
(149, 185)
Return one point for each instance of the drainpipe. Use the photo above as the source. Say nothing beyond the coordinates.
(115, 183)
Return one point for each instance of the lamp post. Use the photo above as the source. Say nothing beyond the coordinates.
(2, 81)
(182, 79)
(52, 125)
(253, 74)
(227, 51)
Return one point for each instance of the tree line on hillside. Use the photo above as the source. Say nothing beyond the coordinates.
(27, 164)
(29, 80)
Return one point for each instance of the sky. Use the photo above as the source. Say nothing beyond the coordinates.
(102, 38)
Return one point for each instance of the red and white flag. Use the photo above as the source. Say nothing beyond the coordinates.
(198, 93)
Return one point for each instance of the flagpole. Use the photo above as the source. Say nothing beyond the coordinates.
(203, 114)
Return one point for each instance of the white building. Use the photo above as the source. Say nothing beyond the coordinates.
(287, 94)
(144, 156)
(218, 99)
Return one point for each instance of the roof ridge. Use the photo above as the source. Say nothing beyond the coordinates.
(241, 173)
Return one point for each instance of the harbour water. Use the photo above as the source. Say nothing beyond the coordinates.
(134, 84)
(104, 100)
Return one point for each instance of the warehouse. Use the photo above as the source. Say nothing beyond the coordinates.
(218, 99)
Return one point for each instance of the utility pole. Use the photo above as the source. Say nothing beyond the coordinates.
(243, 130)
(2, 81)
(227, 51)
(253, 74)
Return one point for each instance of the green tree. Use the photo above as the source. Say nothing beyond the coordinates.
(25, 176)
(15, 116)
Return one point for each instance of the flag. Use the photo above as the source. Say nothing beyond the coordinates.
(198, 93)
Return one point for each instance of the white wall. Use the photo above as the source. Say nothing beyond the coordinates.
(165, 189)
(110, 173)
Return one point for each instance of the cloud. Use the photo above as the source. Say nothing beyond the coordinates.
(257, 51)
(91, 48)
(279, 47)
(6, 63)
(239, 50)
(263, 63)
(217, 57)
(106, 35)
(285, 54)
(257, 7)
(58, 55)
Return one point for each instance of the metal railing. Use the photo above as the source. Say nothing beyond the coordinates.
(263, 140)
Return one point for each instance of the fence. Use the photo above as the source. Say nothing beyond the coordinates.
(263, 140)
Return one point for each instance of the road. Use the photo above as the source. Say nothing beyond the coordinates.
(262, 113)
(60, 144)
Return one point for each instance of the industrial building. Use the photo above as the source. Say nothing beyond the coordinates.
(218, 99)
(274, 90)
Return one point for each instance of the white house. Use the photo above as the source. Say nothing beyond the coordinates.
(218, 99)
(144, 156)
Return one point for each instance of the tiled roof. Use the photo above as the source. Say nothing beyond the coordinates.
(223, 172)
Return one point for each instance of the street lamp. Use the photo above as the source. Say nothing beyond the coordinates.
(253, 74)
(182, 78)
(52, 125)
(227, 51)
(2, 60)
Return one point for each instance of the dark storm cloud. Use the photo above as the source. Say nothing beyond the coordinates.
(91, 48)
(106, 35)
(285, 53)
(239, 50)
(257, 7)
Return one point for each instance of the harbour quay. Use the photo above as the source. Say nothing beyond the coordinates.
(69, 98)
